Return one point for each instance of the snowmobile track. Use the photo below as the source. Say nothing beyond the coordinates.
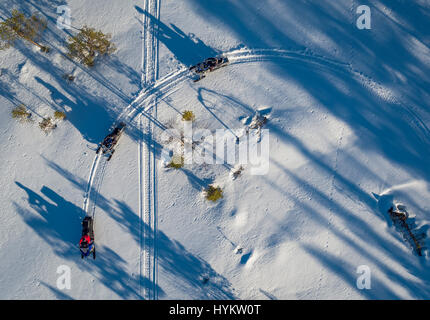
(146, 157)
(156, 89)
(95, 179)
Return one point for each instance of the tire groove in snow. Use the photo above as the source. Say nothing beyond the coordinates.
(95, 179)
(156, 89)
(147, 160)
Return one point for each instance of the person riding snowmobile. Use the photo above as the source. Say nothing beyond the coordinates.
(211, 63)
(208, 64)
(86, 245)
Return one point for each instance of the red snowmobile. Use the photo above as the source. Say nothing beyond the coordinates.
(86, 244)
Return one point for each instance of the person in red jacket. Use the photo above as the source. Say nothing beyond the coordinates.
(86, 245)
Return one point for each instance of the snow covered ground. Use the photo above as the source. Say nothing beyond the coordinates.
(348, 122)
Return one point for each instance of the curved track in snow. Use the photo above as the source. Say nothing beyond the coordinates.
(142, 110)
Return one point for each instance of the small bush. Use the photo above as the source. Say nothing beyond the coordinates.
(213, 193)
(21, 113)
(59, 115)
(47, 124)
(188, 116)
(177, 162)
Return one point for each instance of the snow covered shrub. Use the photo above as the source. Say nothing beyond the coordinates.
(177, 162)
(19, 26)
(21, 113)
(58, 115)
(89, 44)
(188, 115)
(47, 125)
(213, 193)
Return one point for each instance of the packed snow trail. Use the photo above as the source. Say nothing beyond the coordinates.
(147, 192)
(150, 43)
(94, 183)
(170, 83)
(141, 110)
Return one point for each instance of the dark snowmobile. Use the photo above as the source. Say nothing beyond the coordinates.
(109, 143)
(209, 65)
(86, 244)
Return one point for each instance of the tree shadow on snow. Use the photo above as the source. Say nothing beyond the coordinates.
(177, 264)
(188, 49)
(57, 221)
(90, 112)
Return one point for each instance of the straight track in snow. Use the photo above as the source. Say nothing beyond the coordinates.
(143, 111)
(147, 161)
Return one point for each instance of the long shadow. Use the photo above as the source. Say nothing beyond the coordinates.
(417, 290)
(188, 49)
(113, 62)
(7, 91)
(85, 113)
(88, 108)
(178, 264)
(245, 19)
(331, 25)
(109, 268)
(357, 225)
(60, 295)
(361, 229)
(195, 181)
(58, 221)
(346, 271)
(80, 184)
(10, 94)
(56, 39)
(382, 126)
(208, 105)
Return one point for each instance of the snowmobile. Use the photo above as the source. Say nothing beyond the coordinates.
(86, 244)
(109, 143)
(209, 65)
